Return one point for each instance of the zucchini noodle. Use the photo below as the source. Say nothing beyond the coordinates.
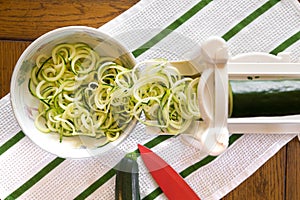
(81, 93)
(168, 100)
(84, 94)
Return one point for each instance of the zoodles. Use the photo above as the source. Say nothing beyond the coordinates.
(83, 93)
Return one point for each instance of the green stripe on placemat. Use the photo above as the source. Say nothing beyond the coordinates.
(286, 43)
(171, 27)
(33, 180)
(187, 171)
(250, 18)
(207, 159)
(12, 141)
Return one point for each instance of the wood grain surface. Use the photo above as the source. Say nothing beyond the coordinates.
(23, 21)
(34, 18)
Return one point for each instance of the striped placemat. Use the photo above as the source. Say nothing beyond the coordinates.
(151, 29)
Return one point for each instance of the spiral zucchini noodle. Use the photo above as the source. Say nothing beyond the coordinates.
(168, 100)
(81, 93)
(84, 94)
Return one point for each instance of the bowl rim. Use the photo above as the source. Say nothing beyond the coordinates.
(79, 152)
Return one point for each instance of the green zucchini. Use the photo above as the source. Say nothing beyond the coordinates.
(127, 179)
(254, 98)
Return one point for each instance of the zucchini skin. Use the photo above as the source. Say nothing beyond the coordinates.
(127, 179)
(258, 98)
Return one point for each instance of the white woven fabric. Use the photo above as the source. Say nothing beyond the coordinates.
(133, 28)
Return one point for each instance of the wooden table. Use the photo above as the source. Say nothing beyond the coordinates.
(23, 21)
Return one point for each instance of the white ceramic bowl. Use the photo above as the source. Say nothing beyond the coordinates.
(24, 104)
